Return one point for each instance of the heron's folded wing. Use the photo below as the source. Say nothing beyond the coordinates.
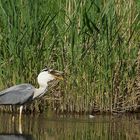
(18, 94)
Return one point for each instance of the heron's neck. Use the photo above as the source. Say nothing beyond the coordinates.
(40, 91)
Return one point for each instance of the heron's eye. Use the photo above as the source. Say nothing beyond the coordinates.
(50, 70)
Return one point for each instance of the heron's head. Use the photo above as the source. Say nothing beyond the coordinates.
(47, 75)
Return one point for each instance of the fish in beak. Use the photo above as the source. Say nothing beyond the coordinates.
(57, 74)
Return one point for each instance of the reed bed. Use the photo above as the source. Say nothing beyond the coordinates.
(95, 43)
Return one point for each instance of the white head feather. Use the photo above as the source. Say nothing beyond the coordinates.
(44, 77)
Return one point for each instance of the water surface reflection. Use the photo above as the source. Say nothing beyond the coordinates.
(42, 127)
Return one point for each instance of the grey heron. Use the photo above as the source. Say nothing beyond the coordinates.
(23, 93)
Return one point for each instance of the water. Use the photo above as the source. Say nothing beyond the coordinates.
(43, 127)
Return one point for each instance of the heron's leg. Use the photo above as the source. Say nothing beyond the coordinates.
(20, 113)
(13, 116)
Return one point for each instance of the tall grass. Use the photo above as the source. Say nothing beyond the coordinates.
(94, 42)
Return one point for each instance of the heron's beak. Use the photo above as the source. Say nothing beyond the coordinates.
(57, 74)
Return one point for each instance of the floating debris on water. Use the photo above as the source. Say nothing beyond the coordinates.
(91, 116)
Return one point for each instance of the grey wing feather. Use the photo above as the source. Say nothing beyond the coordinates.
(18, 94)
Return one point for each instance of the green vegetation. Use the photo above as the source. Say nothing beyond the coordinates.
(95, 42)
